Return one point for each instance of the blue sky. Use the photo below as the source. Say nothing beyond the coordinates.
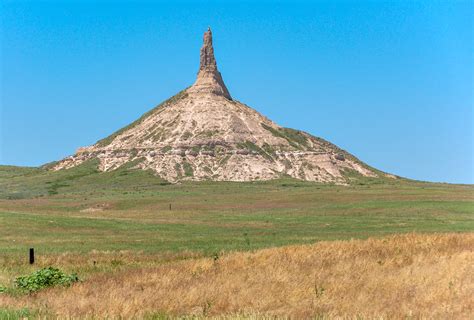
(390, 82)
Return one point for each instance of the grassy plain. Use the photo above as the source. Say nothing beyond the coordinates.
(109, 224)
(408, 276)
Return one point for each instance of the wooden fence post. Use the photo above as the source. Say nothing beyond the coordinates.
(32, 255)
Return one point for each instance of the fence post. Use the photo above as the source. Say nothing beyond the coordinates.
(32, 255)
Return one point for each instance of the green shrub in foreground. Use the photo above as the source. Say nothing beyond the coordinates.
(44, 278)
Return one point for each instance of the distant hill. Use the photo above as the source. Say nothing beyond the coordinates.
(203, 134)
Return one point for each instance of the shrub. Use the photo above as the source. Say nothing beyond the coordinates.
(44, 278)
(188, 169)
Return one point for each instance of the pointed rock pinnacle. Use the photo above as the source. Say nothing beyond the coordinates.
(209, 79)
(208, 61)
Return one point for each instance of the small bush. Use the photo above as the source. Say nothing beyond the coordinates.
(44, 278)
(188, 169)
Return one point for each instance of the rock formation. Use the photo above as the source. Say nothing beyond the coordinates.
(209, 79)
(203, 134)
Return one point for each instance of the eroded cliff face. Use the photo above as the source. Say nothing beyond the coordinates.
(202, 134)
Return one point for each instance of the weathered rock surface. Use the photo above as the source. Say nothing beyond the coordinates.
(202, 134)
(209, 79)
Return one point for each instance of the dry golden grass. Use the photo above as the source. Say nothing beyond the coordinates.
(413, 275)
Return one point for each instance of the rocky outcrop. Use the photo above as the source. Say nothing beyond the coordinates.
(209, 79)
(202, 134)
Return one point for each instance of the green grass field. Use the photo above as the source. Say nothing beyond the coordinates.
(94, 223)
(80, 209)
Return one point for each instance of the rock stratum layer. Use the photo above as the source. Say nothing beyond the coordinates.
(202, 134)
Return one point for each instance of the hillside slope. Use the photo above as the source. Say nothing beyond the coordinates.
(203, 134)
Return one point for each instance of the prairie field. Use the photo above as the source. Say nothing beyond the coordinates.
(144, 248)
(394, 277)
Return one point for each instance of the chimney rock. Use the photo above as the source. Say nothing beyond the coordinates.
(209, 79)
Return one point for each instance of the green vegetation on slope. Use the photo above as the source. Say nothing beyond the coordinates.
(106, 141)
(252, 147)
(24, 183)
(295, 138)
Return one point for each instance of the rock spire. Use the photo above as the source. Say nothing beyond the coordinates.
(209, 79)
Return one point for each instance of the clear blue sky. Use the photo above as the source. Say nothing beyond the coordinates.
(390, 82)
